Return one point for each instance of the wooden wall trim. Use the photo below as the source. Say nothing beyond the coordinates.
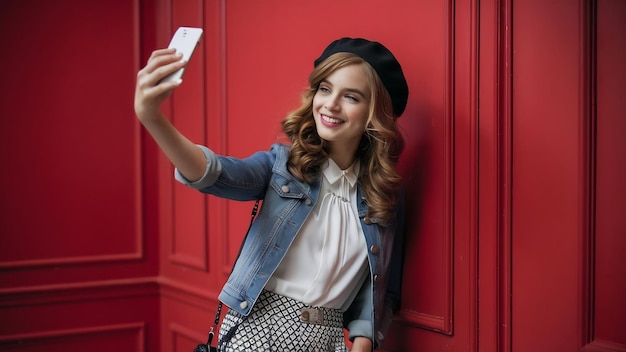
(69, 292)
(588, 152)
(505, 176)
(177, 330)
(139, 252)
(474, 136)
(189, 294)
(602, 127)
(603, 346)
(219, 133)
(137, 255)
(494, 163)
(138, 328)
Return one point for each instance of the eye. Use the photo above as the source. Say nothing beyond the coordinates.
(352, 98)
(323, 89)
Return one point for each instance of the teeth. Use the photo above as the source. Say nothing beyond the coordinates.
(330, 119)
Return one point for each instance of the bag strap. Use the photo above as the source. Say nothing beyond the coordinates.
(219, 305)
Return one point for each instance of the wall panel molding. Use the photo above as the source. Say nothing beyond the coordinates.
(191, 337)
(430, 322)
(588, 124)
(216, 129)
(504, 168)
(459, 161)
(189, 294)
(557, 181)
(84, 336)
(69, 261)
(189, 245)
(80, 206)
(603, 346)
(494, 165)
(137, 327)
(603, 125)
(68, 292)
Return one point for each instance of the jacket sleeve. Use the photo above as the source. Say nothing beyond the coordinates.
(358, 318)
(394, 285)
(211, 172)
(235, 178)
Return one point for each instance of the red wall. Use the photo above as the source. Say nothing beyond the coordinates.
(568, 169)
(514, 167)
(78, 240)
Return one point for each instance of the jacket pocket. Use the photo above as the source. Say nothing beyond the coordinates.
(286, 188)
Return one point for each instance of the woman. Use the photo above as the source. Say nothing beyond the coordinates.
(325, 251)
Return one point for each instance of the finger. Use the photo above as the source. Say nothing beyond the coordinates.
(147, 80)
(161, 61)
(153, 78)
(159, 92)
(159, 52)
(147, 95)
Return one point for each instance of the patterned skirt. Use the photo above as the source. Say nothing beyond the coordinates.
(278, 323)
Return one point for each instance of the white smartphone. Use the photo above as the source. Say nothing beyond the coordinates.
(185, 40)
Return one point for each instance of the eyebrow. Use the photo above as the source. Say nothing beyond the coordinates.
(351, 90)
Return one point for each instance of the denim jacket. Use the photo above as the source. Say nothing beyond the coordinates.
(286, 205)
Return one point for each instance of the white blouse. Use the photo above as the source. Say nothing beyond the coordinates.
(327, 261)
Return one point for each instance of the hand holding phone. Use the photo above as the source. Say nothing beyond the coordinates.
(184, 41)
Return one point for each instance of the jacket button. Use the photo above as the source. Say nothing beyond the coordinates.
(374, 249)
(285, 188)
(308, 201)
(376, 277)
(243, 305)
(367, 220)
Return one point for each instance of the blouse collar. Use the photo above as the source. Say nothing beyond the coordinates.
(333, 173)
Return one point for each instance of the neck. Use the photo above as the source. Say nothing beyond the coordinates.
(344, 153)
(343, 160)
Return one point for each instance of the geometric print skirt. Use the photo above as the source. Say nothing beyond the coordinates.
(278, 323)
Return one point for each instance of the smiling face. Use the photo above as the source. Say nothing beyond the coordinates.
(341, 110)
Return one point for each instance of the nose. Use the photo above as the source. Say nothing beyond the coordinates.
(332, 103)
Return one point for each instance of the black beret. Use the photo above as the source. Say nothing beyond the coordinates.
(383, 62)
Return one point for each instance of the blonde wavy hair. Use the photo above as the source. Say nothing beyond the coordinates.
(379, 148)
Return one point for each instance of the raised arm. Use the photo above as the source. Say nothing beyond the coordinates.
(149, 95)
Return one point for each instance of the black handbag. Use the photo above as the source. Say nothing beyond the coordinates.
(207, 347)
